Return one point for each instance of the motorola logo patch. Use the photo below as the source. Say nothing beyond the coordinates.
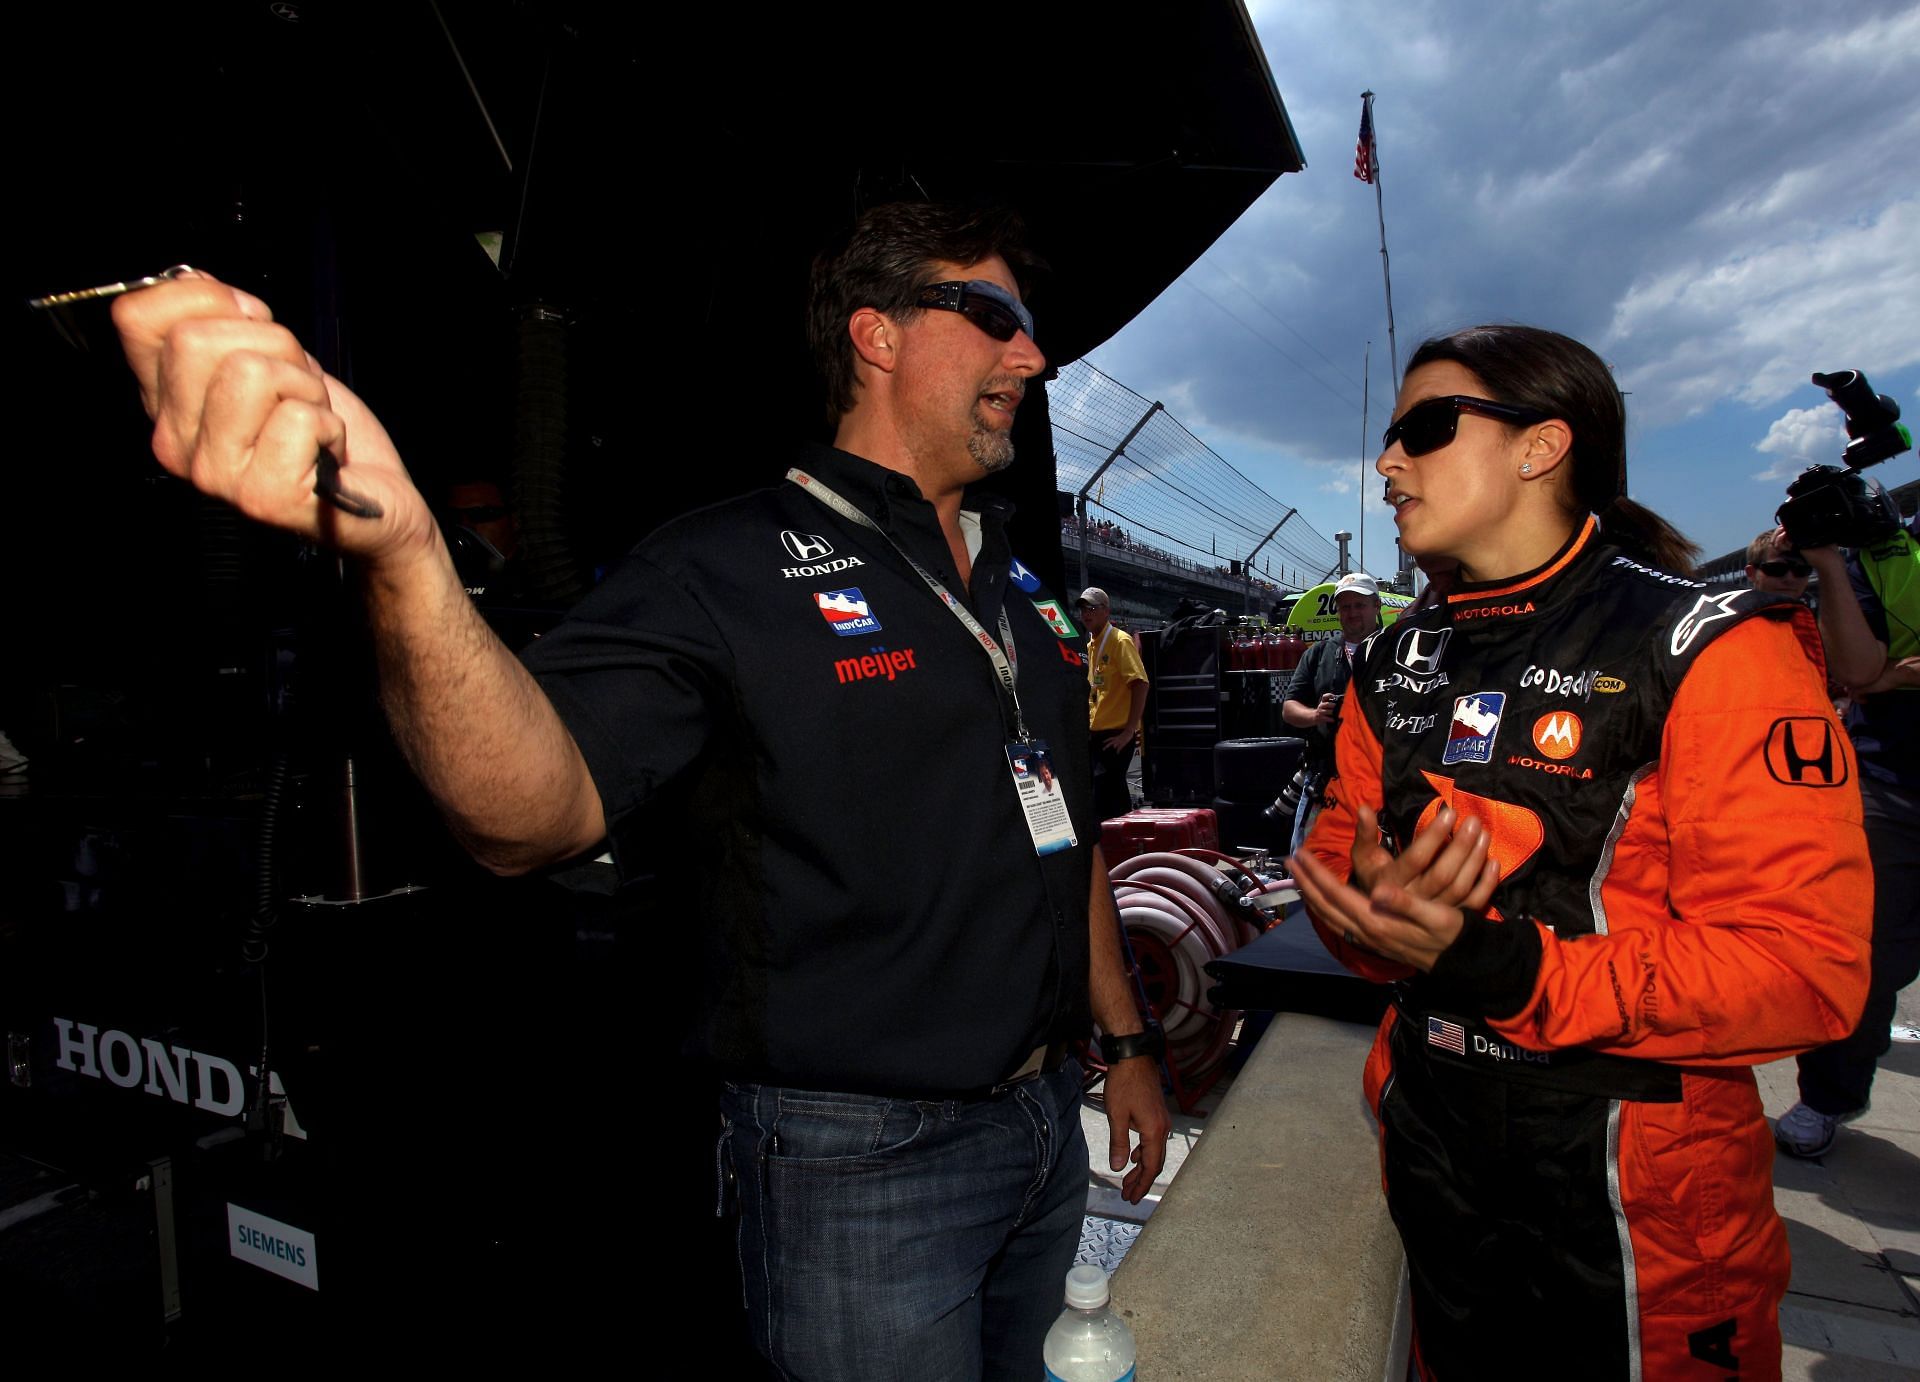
(1805, 751)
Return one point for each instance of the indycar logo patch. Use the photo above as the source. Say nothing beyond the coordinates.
(847, 611)
(1476, 720)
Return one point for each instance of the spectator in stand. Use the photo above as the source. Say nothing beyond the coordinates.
(1870, 628)
(1116, 702)
(1775, 567)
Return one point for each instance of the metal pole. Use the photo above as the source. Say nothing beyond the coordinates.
(1386, 273)
(1080, 499)
(1366, 380)
(1256, 547)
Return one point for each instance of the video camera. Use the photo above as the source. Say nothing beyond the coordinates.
(1835, 505)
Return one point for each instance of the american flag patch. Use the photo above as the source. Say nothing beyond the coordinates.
(1448, 1036)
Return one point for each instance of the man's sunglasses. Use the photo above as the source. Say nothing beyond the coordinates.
(987, 305)
(1430, 425)
(1777, 569)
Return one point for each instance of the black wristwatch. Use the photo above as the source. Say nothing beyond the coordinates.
(1151, 1042)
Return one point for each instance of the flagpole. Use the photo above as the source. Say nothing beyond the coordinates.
(1366, 380)
(1379, 204)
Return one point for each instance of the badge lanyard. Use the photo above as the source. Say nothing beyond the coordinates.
(1006, 663)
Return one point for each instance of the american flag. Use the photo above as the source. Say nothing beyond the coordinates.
(1448, 1036)
(1363, 165)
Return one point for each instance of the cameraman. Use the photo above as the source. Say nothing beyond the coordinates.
(1775, 567)
(1870, 624)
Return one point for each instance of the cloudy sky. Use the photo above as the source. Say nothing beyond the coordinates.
(1720, 196)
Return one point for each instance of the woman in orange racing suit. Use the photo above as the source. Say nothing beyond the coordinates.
(1598, 828)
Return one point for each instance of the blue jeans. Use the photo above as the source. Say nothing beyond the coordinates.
(895, 1238)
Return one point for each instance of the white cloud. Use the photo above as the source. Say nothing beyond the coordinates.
(1800, 438)
(1754, 323)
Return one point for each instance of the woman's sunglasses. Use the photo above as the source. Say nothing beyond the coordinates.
(987, 305)
(1430, 425)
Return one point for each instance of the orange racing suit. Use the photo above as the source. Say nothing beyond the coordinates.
(1572, 1141)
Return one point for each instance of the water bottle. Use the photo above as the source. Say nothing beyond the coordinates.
(1088, 1343)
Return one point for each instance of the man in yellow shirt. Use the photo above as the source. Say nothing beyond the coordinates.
(1116, 701)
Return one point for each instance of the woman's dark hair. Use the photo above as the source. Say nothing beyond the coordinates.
(1542, 369)
(884, 261)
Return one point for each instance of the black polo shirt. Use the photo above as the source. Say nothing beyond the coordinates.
(779, 713)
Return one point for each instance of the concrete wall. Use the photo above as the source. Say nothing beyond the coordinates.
(1272, 1255)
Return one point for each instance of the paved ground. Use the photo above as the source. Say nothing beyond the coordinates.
(1853, 1218)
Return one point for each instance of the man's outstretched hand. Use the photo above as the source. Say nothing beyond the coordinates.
(243, 413)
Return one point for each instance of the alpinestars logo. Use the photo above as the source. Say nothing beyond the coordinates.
(1708, 609)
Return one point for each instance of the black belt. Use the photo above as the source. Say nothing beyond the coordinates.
(1044, 1061)
(1466, 1044)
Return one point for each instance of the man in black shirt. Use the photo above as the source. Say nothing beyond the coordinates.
(824, 688)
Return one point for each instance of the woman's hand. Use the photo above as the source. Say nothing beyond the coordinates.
(1407, 907)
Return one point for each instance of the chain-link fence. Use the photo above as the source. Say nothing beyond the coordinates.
(1168, 493)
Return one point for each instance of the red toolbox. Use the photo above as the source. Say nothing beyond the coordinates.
(1155, 828)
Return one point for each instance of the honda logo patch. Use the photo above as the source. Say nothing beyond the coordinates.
(1806, 751)
(805, 546)
(1420, 650)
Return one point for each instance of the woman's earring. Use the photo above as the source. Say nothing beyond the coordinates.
(1526, 467)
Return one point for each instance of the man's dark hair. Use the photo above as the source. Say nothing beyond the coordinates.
(885, 260)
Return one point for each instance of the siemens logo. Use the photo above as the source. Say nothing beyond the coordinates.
(272, 1246)
(250, 1237)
